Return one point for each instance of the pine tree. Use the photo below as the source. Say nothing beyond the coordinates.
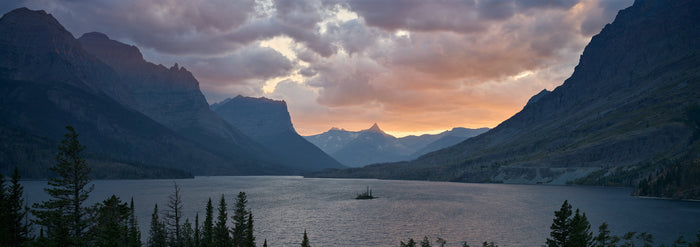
(64, 216)
(221, 235)
(249, 237)
(305, 240)
(197, 235)
(239, 220)
(425, 242)
(15, 213)
(411, 243)
(604, 239)
(173, 216)
(208, 227)
(157, 234)
(561, 227)
(134, 238)
(581, 235)
(4, 214)
(265, 243)
(110, 228)
(187, 234)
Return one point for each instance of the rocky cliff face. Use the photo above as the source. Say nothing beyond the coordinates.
(48, 81)
(268, 122)
(623, 109)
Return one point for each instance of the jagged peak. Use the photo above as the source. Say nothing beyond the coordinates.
(375, 129)
(102, 46)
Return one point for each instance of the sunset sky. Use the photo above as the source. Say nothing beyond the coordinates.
(412, 66)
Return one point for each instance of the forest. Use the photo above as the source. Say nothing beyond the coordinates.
(66, 220)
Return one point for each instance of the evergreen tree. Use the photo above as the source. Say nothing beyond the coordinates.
(14, 214)
(64, 216)
(425, 242)
(560, 235)
(239, 220)
(187, 234)
(4, 214)
(647, 239)
(581, 235)
(208, 227)
(110, 228)
(411, 243)
(249, 240)
(220, 231)
(603, 239)
(173, 216)
(265, 243)
(197, 236)
(305, 240)
(157, 234)
(134, 238)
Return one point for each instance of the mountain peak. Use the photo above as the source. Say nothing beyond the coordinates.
(375, 129)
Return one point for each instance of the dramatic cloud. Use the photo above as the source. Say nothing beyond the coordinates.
(410, 65)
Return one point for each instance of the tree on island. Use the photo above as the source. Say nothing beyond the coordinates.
(63, 217)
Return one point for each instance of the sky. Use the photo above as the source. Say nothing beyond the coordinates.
(412, 66)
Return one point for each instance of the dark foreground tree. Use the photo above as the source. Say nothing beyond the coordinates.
(240, 215)
(425, 242)
(208, 227)
(173, 217)
(14, 228)
(63, 217)
(410, 243)
(134, 238)
(568, 231)
(157, 234)
(305, 240)
(249, 240)
(111, 228)
(604, 239)
(220, 231)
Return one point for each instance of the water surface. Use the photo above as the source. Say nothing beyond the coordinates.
(510, 215)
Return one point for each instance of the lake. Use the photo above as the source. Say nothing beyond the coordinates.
(510, 215)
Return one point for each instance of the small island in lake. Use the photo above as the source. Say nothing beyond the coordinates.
(365, 195)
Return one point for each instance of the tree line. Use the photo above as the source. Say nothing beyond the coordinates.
(65, 219)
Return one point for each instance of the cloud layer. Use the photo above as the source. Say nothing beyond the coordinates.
(413, 66)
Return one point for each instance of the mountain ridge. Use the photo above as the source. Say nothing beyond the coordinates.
(373, 145)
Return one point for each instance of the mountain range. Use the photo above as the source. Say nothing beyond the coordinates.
(360, 148)
(630, 107)
(136, 118)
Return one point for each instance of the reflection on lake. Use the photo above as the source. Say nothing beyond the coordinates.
(510, 215)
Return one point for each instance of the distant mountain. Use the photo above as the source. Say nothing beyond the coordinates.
(627, 108)
(359, 148)
(268, 122)
(48, 80)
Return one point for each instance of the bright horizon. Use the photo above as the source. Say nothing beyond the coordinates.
(414, 68)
